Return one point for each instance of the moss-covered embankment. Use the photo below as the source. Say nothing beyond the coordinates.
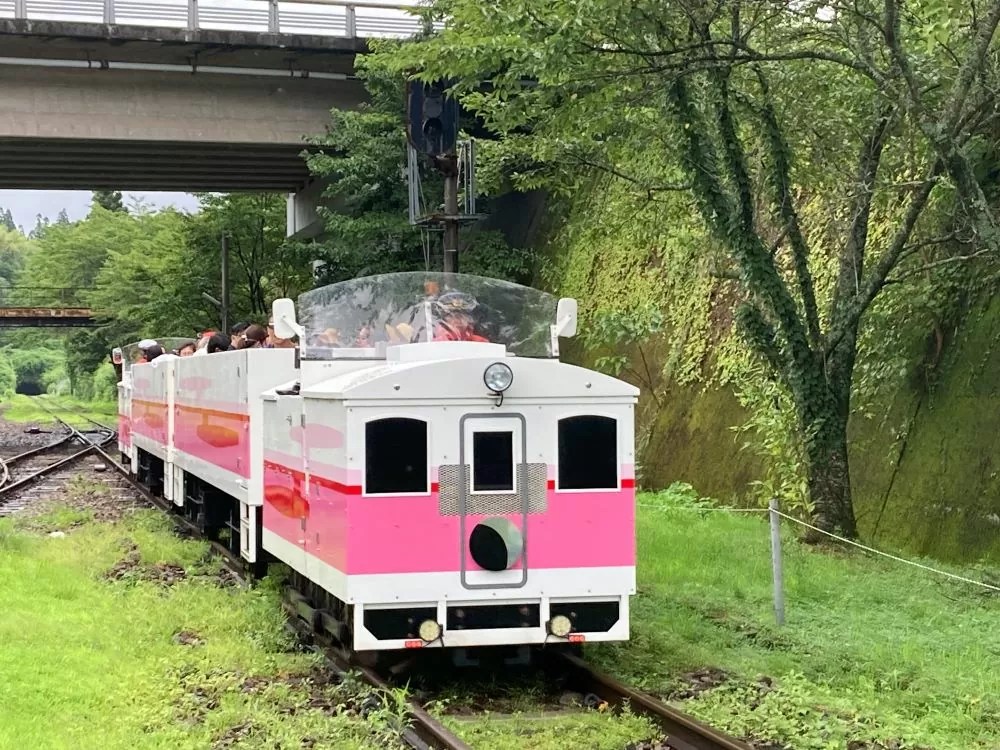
(925, 465)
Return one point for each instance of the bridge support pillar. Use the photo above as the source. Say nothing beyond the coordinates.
(302, 218)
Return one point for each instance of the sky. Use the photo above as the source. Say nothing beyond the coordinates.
(25, 205)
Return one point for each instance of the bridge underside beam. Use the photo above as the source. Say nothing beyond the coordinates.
(59, 163)
(44, 317)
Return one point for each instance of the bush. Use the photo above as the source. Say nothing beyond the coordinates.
(8, 378)
(105, 383)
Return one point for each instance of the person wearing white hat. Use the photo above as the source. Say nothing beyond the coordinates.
(149, 350)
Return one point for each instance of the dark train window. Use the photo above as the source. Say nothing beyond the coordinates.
(395, 456)
(493, 462)
(588, 453)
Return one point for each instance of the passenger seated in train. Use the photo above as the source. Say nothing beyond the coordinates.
(186, 349)
(219, 342)
(252, 338)
(149, 350)
(236, 334)
(455, 321)
(203, 339)
(274, 341)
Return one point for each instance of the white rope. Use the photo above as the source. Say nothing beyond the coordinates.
(832, 536)
(891, 557)
(700, 510)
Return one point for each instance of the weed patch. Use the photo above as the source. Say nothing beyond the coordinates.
(118, 664)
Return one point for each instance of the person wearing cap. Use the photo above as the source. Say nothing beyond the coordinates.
(455, 323)
(149, 350)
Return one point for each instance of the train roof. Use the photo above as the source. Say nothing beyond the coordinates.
(462, 379)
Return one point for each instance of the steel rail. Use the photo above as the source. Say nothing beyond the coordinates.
(79, 412)
(682, 731)
(6, 463)
(426, 732)
(7, 489)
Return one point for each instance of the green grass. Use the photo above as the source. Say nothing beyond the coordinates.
(518, 710)
(872, 650)
(88, 662)
(28, 410)
(592, 731)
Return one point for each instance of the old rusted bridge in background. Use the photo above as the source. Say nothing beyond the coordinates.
(40, 306)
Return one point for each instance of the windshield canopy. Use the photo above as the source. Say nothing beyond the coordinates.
(360, 317)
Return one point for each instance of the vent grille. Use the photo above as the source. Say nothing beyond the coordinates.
(452, 477)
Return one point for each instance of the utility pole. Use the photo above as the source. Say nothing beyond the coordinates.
(448, 165)
(224, 306)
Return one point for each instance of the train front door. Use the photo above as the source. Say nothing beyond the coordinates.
(493, 501)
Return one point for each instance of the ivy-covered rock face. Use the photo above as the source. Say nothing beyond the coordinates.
(927, 380)
(815, 161)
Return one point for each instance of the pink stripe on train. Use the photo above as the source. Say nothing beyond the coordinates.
(408, 534)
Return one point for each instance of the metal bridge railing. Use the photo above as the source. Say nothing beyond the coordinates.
(341, 18)
(43, 296)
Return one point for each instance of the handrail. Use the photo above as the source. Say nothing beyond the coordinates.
(341, 18)
(25, 297)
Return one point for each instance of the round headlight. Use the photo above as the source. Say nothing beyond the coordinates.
(498, 377)
(429, 631)
(560, 626)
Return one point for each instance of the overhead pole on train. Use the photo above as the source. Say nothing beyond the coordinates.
(432, 130)
(224, 302)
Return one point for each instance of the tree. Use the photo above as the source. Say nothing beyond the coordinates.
(109, 200)
(14, 247)
(132, 270)
(363, 159)
(7, 220)
(42, 223)
(263, 265)
(750, 109)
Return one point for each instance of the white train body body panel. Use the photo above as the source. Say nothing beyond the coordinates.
(152, 407)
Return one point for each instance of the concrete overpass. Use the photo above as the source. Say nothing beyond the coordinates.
(178, 94)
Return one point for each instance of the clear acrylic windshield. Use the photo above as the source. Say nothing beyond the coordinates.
(360, 317)
(131, 354)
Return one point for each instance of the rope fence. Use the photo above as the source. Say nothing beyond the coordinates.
(775, 515)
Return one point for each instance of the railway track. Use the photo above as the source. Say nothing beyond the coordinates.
(681, 732)
(44, 471)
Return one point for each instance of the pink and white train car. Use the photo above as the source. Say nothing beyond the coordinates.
(438, 478)
(216, 465)
(196, 434)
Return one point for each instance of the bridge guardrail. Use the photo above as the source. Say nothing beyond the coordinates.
(340, 18)
(42, 296)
